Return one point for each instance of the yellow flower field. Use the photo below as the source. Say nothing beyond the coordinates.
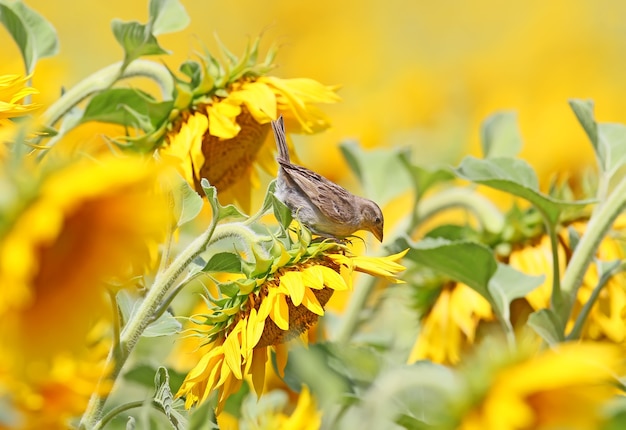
(158, 271)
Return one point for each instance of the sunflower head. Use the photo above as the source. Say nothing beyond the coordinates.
(219, 127)
(282, 294)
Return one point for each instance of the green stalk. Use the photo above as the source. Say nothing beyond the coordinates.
(164, 284)
(489, 217)
(141, 319)
(584, 313)
(103, 79)
(600, 222)
(556, 299)
(352, 316)
(487, 214)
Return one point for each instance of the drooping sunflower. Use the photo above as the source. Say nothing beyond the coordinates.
(276, 302)
(607, 317)
(222, 129)
(451, 324)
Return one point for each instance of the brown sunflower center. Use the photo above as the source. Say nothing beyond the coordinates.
(300, 317)
(227, 161)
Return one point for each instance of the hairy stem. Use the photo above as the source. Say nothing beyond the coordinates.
(600, 222)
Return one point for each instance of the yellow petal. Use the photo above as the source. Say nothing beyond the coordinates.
(255, 328)
(259, 99)
(281, 358)
(232, 350)
(279, 313)
(259, 358)
(313, 277)
(223, 119)
(292, 281)
(311, 302)
(333, 279)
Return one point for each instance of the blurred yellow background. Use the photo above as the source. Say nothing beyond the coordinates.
(417, 73)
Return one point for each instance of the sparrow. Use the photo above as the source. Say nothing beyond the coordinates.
(326, 208)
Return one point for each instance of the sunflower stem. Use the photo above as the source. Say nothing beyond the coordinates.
(140, 320)
(556, 299)
(103, 79)
(486, 213)
(584, 313)
(352, 317)
(116, 411)
(599, 224)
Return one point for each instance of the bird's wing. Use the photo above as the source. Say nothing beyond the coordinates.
(334, 202)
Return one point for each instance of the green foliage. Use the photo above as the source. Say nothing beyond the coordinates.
(139, 40)
(34, 36)
(220, 212)
(500, 135)
(126, 106)
(187, 202)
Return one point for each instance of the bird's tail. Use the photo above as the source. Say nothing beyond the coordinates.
(280, 137)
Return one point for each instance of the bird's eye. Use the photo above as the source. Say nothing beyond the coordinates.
(377, 220)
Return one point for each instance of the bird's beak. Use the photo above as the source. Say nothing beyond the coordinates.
(378, 234)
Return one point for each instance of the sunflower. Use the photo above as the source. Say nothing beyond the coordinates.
(450, 325)
(13, 91)
(225, 114)
(565, 387)
(65, 229)
(270, 307)
(269, 413)
(607, 318)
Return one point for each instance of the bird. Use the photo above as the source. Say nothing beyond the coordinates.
(325, 208)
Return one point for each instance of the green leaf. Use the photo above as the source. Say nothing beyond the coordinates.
(167, 16)
(313, 367)
(127, 106)
(380, 172)
(165, 325)
(468, 262)
(608, 140)
(223, 262)
(612, 142)
(220, 212)
(268, 200)
(139, 40)
(143, 374)
(136, 40)
(34, 36)
(164, 398)
(508, 284)
(203, 417)
(500, 135)
(424, 178)
(126, 304)
(547, 324)
(583, 109)
(187, 202)
(281, 212)
(454, 233)
(516, 177)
